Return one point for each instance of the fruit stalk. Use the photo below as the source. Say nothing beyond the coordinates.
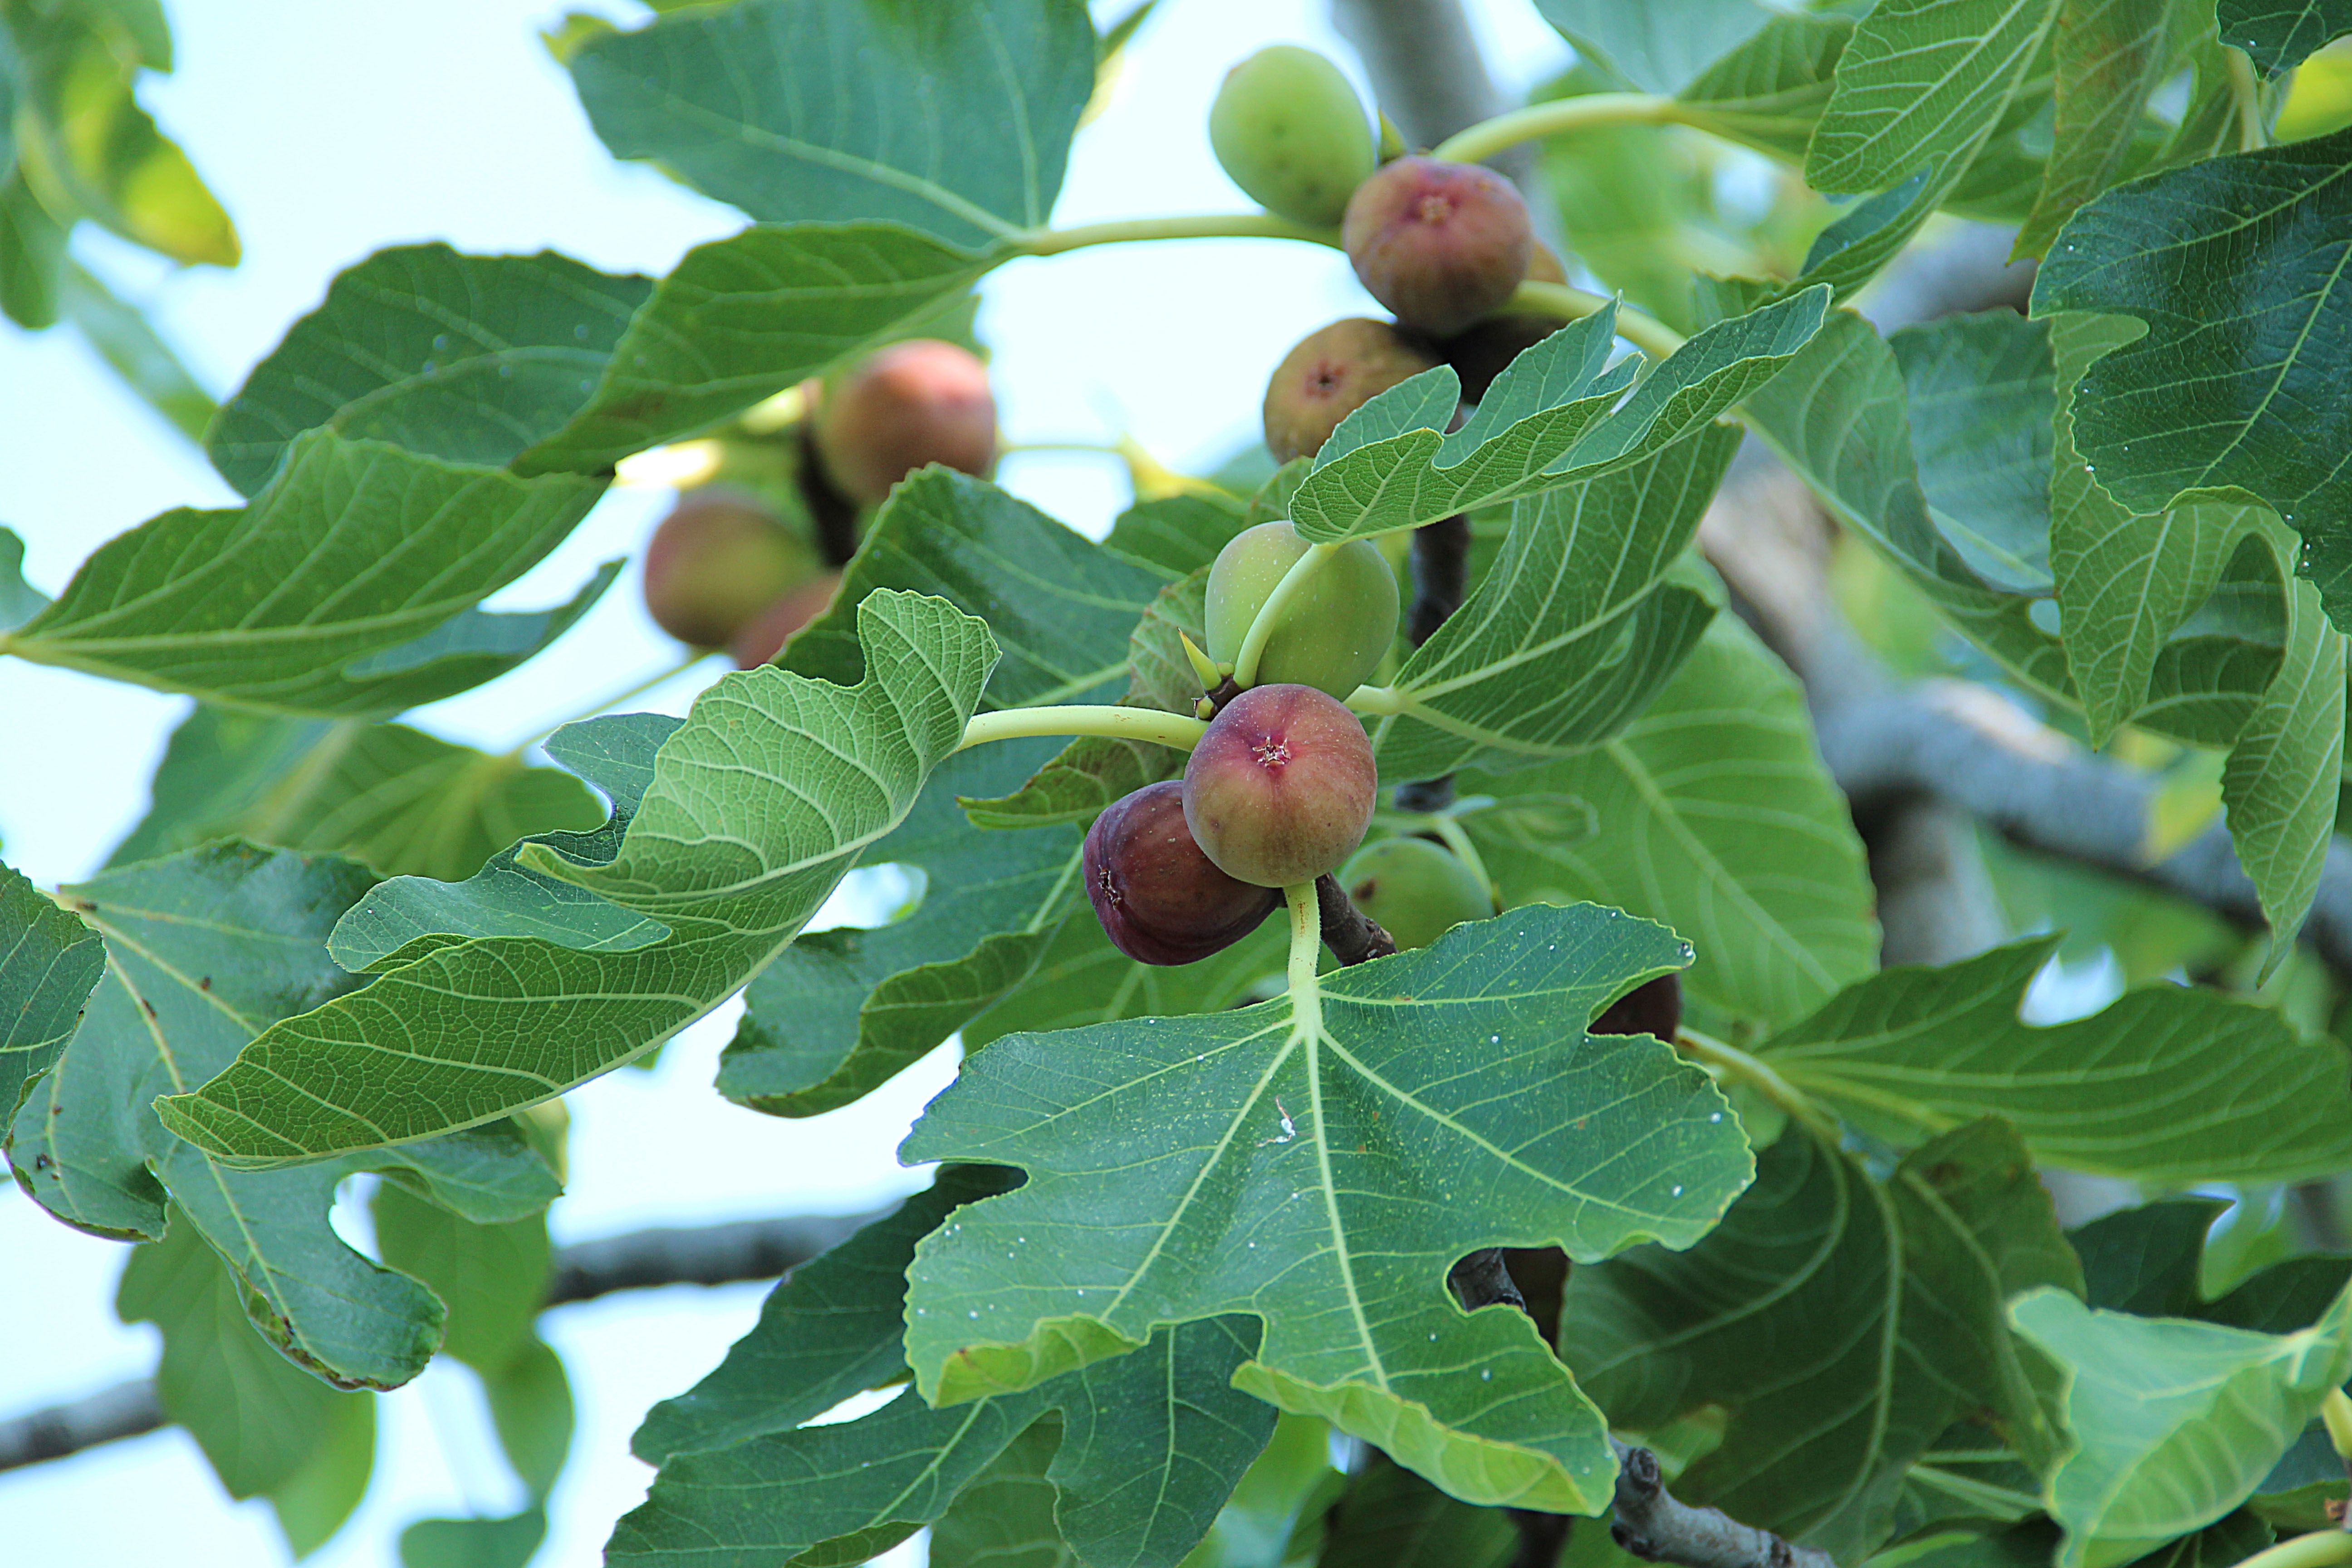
(1353, 935)
(1269, 614)
(1476, 143)
(1086, 719)
(1189, 226)
(1645, 331)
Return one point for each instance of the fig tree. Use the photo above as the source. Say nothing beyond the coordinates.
(716, 562)
(1331, 633)
(1280, 788)
(1160, 899)
(1292, 133)
(1655, 1008)
(763, 637)
(910, 404)
(1330, 374)
(1416, 889)
(1442, 244)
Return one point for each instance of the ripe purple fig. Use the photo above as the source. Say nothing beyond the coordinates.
(1655, 1008)
(1483, 352)
(910, 404)
(1442, 244)
(1280, 788)
(1160, 899)
(1330, 374)
(717, 560)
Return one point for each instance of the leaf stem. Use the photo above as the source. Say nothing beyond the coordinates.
(2337, 1411)
(1733, 1062)
(1482, 140)
(2247, 90)
(1197, 226)
(1294, 582)
(1086, 718)
(1376, 699)
(1639, 327)
(2318, 1549)
(1306, 947)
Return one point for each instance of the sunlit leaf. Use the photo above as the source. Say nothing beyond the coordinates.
(344, 587)
(49, 964)
(2111, 56)
(1657, 48)
(952, 117)
(468, 358)
(1573, 629)
(760, 800)
(2165, 1085)
(1923, 82)
(1562, 412)
(1321, 1162)
(2173, 1423)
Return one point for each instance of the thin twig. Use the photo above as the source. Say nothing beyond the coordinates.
(1652, 1523)
(1353, 935)
(634, 1261)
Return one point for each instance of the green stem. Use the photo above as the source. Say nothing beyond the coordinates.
(1636, 327)
(2337, 1411)
(1086, 718)
(1733, 1062)
(2317, 1550)
(1252, 649)
(1446, 827)
(1376, 699)
(606, 704)
(1488, 137)
(2248, 91)
(1306, 949)
(1198, 225)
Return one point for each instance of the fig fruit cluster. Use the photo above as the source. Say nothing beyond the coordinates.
(727, 569)
(1442, 244)
(1277, 792)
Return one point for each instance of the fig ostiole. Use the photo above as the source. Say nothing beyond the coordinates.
(1331, 373)
(1442, 245)
(1280, 788)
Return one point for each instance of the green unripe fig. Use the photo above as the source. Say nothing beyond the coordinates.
(1280, 788)
(716, 562)
(1292, 134)
(1332, 632)
(1442, 244)
(1416, 889)
(1331, 374)
(913, 402)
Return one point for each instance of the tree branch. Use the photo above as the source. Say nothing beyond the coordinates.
(1649, 1523)
(1353, 935)
(634, 1261)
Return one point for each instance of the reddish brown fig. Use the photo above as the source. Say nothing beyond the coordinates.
(763, 637)
(913, 402)
(1655, 1008)
(1330, 374)
(716, 561)
(1160, 899)
(1441, 244)
(1481, 353)
(1280, 788)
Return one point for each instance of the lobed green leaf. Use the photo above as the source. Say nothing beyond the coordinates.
(1321, 1162)
(759, 802)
